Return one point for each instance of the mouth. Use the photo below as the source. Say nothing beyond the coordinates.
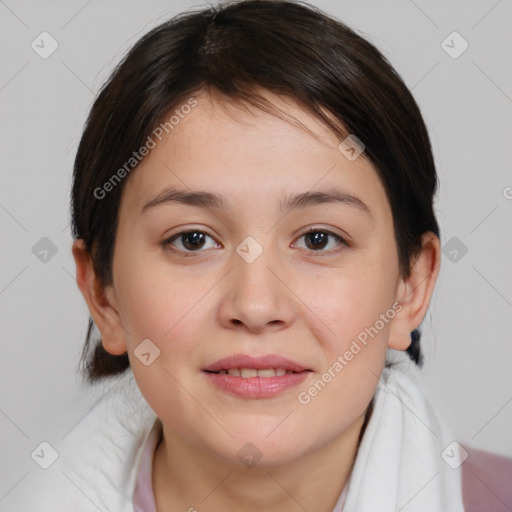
(245, 366)
(255, 376)
(248, 373)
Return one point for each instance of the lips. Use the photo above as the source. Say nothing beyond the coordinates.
(248, 373)
(256, 377)
(266, 362)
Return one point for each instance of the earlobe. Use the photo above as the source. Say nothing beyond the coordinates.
(415, 291)
(99, 301)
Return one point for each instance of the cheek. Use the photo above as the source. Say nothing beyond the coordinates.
(352, 321)
(158, 303)
(344, 306)
(165, 308)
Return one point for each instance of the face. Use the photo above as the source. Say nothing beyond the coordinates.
(271, 284)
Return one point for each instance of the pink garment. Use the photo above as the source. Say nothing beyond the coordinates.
(486, 480)
(143, 496)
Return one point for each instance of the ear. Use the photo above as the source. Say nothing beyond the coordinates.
(414, 292)
(100, 301)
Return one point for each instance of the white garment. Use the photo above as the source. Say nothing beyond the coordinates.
(398, 464)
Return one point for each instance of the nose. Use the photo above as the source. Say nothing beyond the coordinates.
(257, 295)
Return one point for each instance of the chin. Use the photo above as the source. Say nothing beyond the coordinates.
(256, 450)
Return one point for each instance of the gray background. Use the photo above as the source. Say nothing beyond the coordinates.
(467, 105)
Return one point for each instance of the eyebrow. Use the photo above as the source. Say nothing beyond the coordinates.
(203, 199)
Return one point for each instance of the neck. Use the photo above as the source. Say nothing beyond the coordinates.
(188, 478)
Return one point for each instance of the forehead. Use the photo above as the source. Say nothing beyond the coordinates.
(250, 156)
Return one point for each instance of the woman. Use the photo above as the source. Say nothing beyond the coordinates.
(256, 242)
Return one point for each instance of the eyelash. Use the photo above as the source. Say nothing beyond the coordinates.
(168, 246)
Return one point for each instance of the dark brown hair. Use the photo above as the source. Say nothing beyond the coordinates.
(288, 48)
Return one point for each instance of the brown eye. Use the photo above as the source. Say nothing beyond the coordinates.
(317, 240)
(189, 241)
(192, 240)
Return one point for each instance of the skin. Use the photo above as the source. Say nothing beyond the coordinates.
(304, 304)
